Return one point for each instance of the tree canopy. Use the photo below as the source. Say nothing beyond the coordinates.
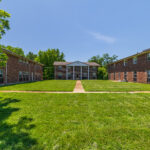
(47, 58)
(16, 50)
(103, 61)
(4, 25)
(31, 56)
(3, 59)
(4, 22)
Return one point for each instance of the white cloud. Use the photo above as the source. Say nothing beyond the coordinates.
(102, 37)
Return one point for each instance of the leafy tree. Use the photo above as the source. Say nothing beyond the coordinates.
(4, 22)
(4, 25)
(47, 58)
(96, 59)
(31, 56)
(103, 62)
(108, 59)
(3, 58)
(16, 50)
(102, 73)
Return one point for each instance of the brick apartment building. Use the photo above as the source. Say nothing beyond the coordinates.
(76, 70)
(135, 68)
(20, 69)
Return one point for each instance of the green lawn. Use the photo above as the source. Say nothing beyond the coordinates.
(74, 121)
(47, 85)
(106, 85)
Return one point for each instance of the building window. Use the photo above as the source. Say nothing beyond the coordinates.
(85, 75)
(1, 76)
(20, 76)
(59, 75)
(59, 67)
(148, 56)
(23, 76)
(148, 76)
(114, 76)
(94, 75)
(69, 75)
(125, 62)
(135, 60)
(94, 68)
(69, 68)
(125, 76)
(134, 76)
(26, 74)
(119, 75)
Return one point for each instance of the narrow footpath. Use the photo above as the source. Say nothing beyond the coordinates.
(79, 88)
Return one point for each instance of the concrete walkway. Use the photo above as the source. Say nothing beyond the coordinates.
(75, 91)
(79, 88)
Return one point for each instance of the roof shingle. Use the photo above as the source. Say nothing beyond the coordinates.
(59, 63)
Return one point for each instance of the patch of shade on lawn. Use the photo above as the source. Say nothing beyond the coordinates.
(74, 121)
(106, 85)
(47, 85)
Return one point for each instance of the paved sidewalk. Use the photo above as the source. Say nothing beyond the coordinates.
(79, 88)
(75, 91)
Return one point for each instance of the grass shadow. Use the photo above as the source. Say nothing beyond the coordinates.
(15, 136)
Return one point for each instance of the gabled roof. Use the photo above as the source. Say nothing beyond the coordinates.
(132, 56)
(59, 63)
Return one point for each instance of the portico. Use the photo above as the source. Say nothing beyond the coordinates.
(76, 70)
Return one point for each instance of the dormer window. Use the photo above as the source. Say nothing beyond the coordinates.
(135, 60)
(148, 56)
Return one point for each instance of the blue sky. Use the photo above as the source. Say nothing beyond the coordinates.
(79, 28)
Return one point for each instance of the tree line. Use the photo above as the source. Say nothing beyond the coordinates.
(47, 57)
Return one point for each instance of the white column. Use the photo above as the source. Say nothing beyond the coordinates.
(66, 73)
(81, 73)
(88, 72)
(73, 72)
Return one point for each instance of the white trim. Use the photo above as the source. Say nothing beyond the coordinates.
(77, 63)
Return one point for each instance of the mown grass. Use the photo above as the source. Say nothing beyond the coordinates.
(74, 121)
(47, 85)
(107, 85)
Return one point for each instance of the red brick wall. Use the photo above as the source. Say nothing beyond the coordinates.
(77, 71)
(14, 66)
(141, 67)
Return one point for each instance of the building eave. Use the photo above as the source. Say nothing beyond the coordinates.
(132, 56)
(21, 57)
